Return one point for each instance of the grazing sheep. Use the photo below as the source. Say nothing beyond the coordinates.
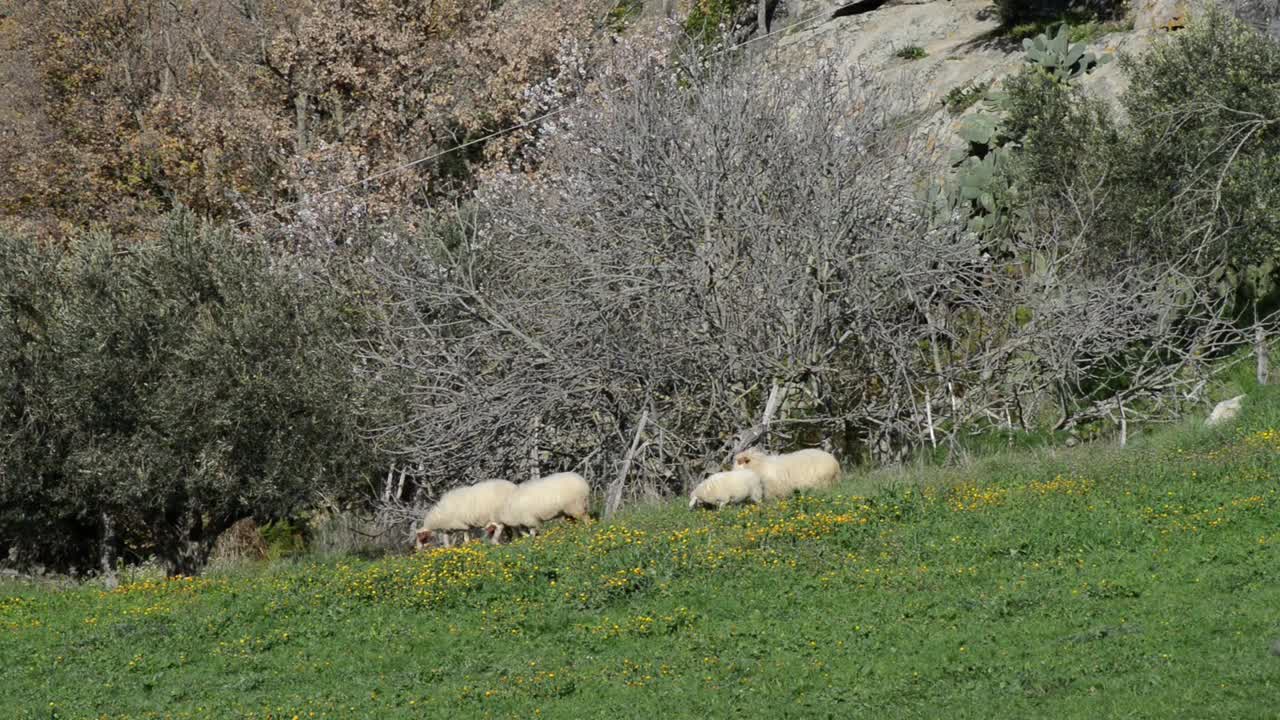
(784, 474)
(725, 488)
(537, 501)
(1225, 411)
(465, 508)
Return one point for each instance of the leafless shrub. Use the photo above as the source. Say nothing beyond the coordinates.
(1053, 342)
(698, 237)
(710, 256)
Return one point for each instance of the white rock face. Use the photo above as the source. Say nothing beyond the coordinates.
(1225, 411)
(962, 47)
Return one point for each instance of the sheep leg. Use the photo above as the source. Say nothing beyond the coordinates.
(446, 538)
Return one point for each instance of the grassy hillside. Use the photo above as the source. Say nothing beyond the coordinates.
(1092, 583)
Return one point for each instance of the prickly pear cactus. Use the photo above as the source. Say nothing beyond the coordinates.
(981, 187)
(1058, 57)
(984, 132)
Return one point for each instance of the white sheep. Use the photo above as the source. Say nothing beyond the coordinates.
(466, 508)
(784, 474)
(725, 488)
(560, 495)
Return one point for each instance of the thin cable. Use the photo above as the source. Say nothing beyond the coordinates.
(406, 166)
(496, 133)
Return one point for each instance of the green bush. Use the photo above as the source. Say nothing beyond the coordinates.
(1062, 132)
(1201, 154)
(1194, 173)
(912, 52)
(963, 97)
(705, 18)
(1028, 147)
(623, 13)
(1030, 17)
(284, 539)
(1084, 28)
(155, 393)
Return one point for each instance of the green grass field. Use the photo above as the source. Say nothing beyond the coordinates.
(1091, 583)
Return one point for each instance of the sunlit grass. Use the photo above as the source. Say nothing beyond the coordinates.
(1092, 582)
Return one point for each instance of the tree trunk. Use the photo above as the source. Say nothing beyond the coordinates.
(762, 16)
(399, 491)
(1260, 350)
(107, 557)
(389, 486)
(300, 121)
(1124, 427)
(187, 550)
(761, 430)
(535, 471)
(928, 416)
(613, 498)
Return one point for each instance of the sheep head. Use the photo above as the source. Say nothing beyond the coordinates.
(493, 531)
(745, 459)
(423, 538)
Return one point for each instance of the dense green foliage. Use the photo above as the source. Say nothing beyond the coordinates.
(1203, 157)
(1062, 132)
(1015, 13)
(1083, 27)
(997, 180)
(963, 97)
(708, 20)
(1189, 171)
(1088, 583)
(167, 389)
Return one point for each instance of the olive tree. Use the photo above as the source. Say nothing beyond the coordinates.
(1189, 175)
(157, 392)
